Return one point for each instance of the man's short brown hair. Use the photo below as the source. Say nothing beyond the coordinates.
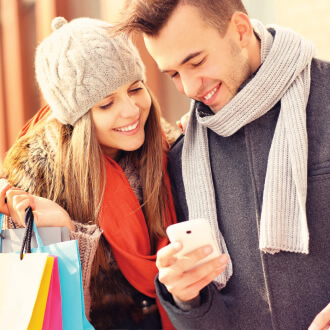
(149, 16)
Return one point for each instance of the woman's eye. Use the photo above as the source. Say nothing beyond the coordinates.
(106, 106)
(135, 89)
(174, 75)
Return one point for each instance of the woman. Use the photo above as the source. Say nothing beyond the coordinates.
(98, 151)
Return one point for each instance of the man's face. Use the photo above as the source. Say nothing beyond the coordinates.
(202, 64)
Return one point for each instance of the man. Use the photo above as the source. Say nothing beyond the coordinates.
(255, 161)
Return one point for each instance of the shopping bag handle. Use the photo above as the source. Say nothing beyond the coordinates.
(30, 225)
(38, 238)
(29, 220)
(1, 223)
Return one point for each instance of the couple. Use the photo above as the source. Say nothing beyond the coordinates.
(255, 161)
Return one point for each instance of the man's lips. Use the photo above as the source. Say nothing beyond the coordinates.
(210, 96)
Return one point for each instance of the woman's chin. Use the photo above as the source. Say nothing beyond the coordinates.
(137, 144)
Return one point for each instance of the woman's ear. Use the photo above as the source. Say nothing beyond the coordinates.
(243, 28)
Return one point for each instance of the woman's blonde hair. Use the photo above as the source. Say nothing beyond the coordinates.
(76, 181)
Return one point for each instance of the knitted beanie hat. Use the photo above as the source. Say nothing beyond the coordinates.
(79, 64)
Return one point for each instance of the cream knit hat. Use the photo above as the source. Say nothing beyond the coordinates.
(79, 64)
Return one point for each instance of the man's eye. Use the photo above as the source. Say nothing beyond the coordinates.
(174, 75)
(195, 65)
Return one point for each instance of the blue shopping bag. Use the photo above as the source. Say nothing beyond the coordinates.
(73, 307)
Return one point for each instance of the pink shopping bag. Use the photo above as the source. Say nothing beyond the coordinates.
(53, 313)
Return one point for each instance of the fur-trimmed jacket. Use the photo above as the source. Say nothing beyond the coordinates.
(110, 301)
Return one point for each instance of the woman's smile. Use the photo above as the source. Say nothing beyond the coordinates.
(130, 129)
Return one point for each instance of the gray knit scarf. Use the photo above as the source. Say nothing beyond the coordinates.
(284, 75)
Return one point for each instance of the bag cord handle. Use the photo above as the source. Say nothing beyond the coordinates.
(28, 219)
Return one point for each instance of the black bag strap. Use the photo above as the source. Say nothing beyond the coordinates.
(28, 219)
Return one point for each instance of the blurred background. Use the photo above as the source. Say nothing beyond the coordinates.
(24, 23)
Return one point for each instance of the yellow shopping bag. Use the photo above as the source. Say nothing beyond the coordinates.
(24, 286)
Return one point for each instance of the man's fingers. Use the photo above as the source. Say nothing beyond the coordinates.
(166, 255)
(322, 320)
(189, 260)
(209, 270)
(192, 291)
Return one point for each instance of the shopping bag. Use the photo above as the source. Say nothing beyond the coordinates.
(24, 286)
(53, 313)
(73, 307)
(13, 238)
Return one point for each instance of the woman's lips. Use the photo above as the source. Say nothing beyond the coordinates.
(130, 129)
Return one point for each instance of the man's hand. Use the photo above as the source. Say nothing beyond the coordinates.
(182, 284)
(322, 320)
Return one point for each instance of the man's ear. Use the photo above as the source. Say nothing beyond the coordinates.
(243, 28)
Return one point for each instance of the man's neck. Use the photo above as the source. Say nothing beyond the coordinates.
(254, 53)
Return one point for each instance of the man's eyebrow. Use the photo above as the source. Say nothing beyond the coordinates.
(185, 60)
(189, 57)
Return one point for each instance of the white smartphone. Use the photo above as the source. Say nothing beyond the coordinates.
(193, 234)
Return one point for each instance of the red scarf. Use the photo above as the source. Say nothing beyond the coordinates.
(40, 115)
(125, 229)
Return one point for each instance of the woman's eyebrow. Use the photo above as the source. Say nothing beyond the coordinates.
(135, 82)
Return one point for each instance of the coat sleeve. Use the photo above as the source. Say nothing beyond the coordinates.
(212, 313)
(88, 237)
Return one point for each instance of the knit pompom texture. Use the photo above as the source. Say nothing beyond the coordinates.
(80, 63)
(58, 22)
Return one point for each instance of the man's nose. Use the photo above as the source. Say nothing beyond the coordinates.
(190, 85)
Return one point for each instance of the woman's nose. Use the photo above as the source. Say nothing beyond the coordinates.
(130, 108)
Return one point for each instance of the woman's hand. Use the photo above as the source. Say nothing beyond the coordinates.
(3, 204)
(46, 212)
(13, 202)
(49, 214)
(183, 122)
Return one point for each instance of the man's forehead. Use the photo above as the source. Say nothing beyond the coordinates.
(184, 35)
(171, 51)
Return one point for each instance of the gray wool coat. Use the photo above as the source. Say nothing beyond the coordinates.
(281, 291)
